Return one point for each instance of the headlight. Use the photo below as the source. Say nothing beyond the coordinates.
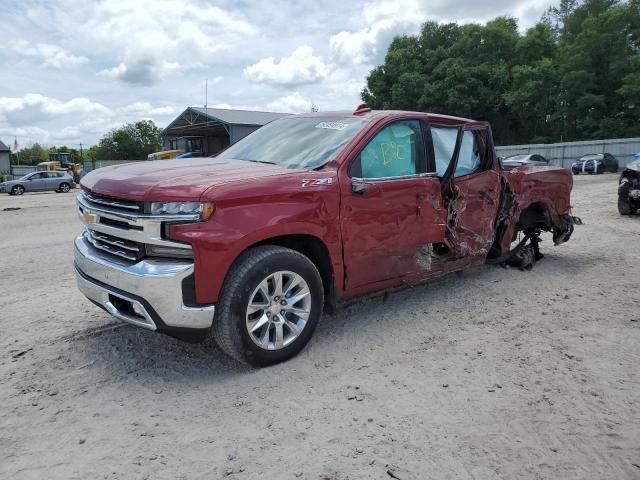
(203, 210)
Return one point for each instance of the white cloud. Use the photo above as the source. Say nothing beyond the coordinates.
(169, 47)
(52, 56)
(300, 68)
(294, 103)
(145, 109)
(384, 20)
(38, 118)
(42, 105)
(146, 39)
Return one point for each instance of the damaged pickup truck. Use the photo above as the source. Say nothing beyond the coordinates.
(629, 188)
(303, 214)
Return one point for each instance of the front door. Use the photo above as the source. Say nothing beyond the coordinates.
(391, 209)
(38, 181)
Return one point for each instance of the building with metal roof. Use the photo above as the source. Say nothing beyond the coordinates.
(206, 131)
(5, 159)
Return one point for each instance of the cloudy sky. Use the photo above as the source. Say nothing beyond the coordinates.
(72, 70)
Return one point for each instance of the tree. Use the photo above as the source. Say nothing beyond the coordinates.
(573, 76)
(133, 141)
(31, 155)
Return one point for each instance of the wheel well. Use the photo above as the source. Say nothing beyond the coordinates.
(535, 217)
(315, 250)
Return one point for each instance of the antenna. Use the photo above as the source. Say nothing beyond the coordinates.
(206, 92)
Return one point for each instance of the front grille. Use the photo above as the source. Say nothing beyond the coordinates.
(115, 246)
(125, 206)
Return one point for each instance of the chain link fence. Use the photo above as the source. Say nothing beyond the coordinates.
(564, 154)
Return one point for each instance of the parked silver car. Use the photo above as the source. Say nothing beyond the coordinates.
(39, 181)
(515, 161)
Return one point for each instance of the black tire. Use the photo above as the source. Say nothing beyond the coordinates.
(624, 205)
(17, 190)
(229, 328)
(64, 187)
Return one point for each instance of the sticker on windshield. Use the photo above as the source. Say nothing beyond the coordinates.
(331, 125)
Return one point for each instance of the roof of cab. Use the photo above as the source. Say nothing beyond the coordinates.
(434, 117)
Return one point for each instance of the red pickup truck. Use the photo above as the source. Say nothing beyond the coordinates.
(307, 212)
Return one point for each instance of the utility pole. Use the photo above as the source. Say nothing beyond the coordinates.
(81, 155)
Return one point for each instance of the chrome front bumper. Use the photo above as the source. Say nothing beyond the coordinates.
(147, 293)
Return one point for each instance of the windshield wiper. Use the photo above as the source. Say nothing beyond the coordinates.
(263, 161)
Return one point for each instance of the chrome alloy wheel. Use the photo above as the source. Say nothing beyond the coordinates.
(278, 310)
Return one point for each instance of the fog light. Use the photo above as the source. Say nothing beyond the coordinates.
(171, 252)
(137, 309)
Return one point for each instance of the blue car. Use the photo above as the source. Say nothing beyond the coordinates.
(595, 163)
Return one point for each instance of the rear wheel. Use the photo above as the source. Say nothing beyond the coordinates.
(17, 190)
(64, 187)
(270, 305)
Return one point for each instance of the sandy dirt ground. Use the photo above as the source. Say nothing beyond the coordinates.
(494, 373)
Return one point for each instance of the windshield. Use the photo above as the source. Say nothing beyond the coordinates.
(517, 158)
(592, 157)
(297, 142)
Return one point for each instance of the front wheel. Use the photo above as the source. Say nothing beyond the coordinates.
(270, 305)
(17, 190)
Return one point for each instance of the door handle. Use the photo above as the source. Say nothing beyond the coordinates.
(360, 188)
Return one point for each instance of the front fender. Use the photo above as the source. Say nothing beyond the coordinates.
(236, 227)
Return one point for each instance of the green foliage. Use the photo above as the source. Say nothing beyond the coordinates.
(573, 76)
(31, 155)
(133, 141)
(36, 153)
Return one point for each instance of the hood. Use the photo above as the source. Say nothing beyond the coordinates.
(174, 180)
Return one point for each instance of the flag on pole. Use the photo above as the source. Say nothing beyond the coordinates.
(15, 144)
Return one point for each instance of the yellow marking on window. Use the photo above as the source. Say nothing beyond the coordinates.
(391, 151)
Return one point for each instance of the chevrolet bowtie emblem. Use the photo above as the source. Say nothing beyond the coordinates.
(88, 217)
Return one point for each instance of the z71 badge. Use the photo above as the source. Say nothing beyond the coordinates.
(316, 182)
